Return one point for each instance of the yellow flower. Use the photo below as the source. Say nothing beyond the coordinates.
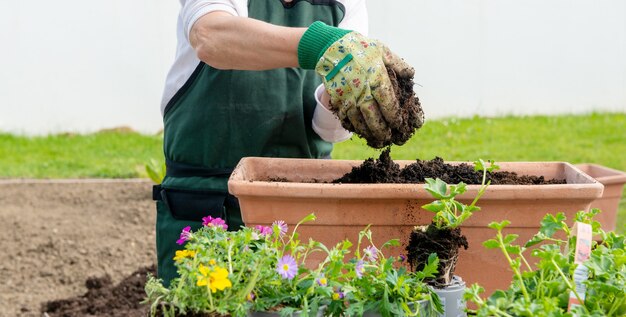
(216, 279)
(212, 262)
(181, 254)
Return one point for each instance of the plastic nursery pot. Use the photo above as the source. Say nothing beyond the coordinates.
(452, 298)
(424, 310)
(613, 181)
(393, 210)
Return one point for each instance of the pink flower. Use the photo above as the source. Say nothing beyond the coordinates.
(371, 253)
(287, 267)
(281, 226)
(359, 269)
(184, 235)
(264, 230)
(214, 222)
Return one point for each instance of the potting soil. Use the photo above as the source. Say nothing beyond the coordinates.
(384, 170)
(410, 111)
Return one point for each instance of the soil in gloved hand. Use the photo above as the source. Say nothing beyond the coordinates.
(411, 113)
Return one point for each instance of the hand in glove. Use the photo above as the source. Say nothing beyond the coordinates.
(354, 72)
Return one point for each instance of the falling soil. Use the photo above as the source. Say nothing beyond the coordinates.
(445, 242)
(105, 299)
(384, 170)
(410, 111)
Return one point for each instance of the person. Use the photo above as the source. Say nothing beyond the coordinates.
(260, 78)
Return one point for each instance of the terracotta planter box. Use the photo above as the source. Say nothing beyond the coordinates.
(613, 181)
(393, 210)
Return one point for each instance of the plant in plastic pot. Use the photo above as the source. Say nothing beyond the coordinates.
(375, 285)
(558, 286)
(443, 237)
(237, 273)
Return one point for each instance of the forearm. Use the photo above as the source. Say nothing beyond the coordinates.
(224, 41)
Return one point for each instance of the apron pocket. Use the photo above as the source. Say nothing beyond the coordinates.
(193, 205)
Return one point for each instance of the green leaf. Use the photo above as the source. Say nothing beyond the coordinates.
(550, 224)
(536, 239)
(435, 206)
(437, 188)
(513, 249)
(510, 238)
(491, 244)
(499, 225)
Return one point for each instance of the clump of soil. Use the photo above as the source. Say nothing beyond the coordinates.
(445, 242)
(384, 170)
(410, 111)
(104, 299)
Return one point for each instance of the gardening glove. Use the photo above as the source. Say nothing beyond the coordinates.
(354, 71)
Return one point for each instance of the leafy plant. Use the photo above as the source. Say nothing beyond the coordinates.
(545, 290)
(450, 213)
(156, 171)
(375, 284)
(443, 236)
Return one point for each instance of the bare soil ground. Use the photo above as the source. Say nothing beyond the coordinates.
(56, 234)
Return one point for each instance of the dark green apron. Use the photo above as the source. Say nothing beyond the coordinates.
(220, 116)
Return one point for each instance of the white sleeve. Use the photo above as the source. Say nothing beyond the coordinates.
(325, 123)
(192, 10)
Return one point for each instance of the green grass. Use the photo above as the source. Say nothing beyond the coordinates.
(594, 138)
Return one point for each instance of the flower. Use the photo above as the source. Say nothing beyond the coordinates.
(264, 230)
(184, 235)
(214, 222)
(321, 280)
(287, 267)
(181, 254)
(402, 258)
(212, 262)
(250, 297)
(216, 279)
(281, 226)
(359, 269)
(337, 295)
(371, 253)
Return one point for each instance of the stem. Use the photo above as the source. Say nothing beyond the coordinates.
(615, 305)
(515, 270)
(569, 285)
(208, 288)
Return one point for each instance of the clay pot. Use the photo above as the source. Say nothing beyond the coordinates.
(452, 298)
(393, 210)
(613, 181)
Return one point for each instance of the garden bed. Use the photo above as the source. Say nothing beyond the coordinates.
(57, 234)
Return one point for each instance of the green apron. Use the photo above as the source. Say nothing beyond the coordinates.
(220, 116)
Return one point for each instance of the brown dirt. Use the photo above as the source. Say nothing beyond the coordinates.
(57, 234)
(445, 242)
(410, 111)
(384, 170)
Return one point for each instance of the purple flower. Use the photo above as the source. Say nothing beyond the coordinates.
(321, 280)
(359, 269)
(281, 225)
(371, 253)
(287, 267)
(264, 230)
(214, 222)
(337, 295)
(184, 235)
(250, 297)
(402, 257)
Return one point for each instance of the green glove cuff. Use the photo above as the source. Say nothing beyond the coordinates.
(315, 41)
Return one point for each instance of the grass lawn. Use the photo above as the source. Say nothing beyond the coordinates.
(594, 138)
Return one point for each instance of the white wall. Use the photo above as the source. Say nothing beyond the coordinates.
(73, 65)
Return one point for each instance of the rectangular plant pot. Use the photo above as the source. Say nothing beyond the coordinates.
(393, 210)
(613, 181)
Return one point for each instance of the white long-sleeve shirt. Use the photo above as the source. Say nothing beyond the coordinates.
(325, 123)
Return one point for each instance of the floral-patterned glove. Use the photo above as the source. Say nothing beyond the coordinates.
(354, 72)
